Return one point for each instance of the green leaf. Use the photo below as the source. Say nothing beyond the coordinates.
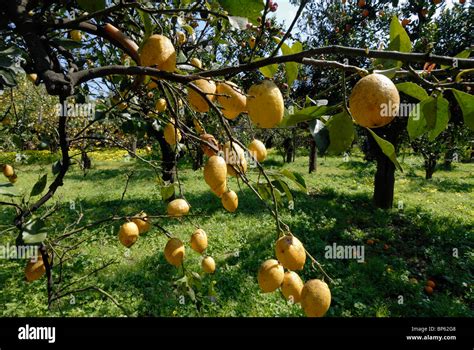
(417, 125)
(303, 115)
(284, 188)
(91, 5)
(387, 148)
(463, 54)
(291, 68)
(56, 167)
(413, 90)
(267, 71)
(250, 9)
(147, 23)
(430, 115)
(397, 31)
(68, 44)
(442, 118)
(466, 102)
(399, 41)
(320, 135)
(264, 191)
(7, 77)
(167, 191)
(341, 133)
(39, 186)
(296, 178)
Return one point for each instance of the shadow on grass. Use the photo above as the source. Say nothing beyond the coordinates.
(443, 185)
(411, 241)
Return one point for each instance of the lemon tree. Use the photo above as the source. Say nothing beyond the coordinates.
(160, 73)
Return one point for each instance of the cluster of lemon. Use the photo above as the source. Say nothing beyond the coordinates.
(263, 103)
(314, 295)
(175, 251)
(9, 173)
(131, 230)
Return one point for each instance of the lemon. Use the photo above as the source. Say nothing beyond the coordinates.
(143, 223)
(128, 234)
(231, 98)
(234, 158)
(220, 189)
(265, 104)
(230, 201)
(76, 35)
(208, 151)
(196, 62)
(208, 264)
(258, 150)
(8, 171)
(292, 286)
(32, 77)
(252, 41)
(315, 298)
(199, 241)
(35, 270)
(172, 135)
(290, 252)
(197, 102)
(174, 252)
(215, 174)
(374, 101)
(178, 208)
(270, 275)
(181, 38)
(158, 51)
(160, 105)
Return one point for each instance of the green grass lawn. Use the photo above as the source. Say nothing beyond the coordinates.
(416, 241)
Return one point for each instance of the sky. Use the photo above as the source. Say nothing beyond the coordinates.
(286, 11)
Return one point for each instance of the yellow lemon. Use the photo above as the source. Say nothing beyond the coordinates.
(265, 104)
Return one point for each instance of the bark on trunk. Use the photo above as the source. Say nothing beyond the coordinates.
(168, 156)
(384, 181)
(312, 156)
(430, 166)
(198, 161)
(288, 147)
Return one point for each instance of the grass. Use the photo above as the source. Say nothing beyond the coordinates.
(417, 241)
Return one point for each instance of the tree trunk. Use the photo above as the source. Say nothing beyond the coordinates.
(288, 147)
(448, 159)
(384, 181)
(293, 145)
(430, 166)
(198, 161)
(168, 156)
(312, 155)
(133, 147)
(269, 142)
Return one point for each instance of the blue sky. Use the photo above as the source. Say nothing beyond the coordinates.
(286, 11)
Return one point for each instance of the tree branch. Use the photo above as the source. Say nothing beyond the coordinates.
(303, 57)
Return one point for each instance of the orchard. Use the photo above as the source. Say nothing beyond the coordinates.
(142, 146)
